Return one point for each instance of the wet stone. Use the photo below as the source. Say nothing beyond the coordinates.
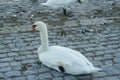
(117, 60)
(99, 53)
(4, 64)
(1, 75)
(112, 78)
(108, 56)
(69, 78)
(13, 54)
(15, 63)
(43, 69)
(117, 54)
(98, 58)
(12, 73)
(30, 72)
(108, 62)
(5, 69)
(28, 61)
(45, 76)
(99, 74)
(7, 59)
(3, 55)
(20, 57)
(57, 74)
(32, 77)
(58, 78)
(110, 70)
(19, 78)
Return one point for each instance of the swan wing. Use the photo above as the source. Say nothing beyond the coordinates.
(61, 56)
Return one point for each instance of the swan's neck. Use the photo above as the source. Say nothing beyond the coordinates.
(44, 40)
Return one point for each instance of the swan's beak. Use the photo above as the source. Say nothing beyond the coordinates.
(32, 28)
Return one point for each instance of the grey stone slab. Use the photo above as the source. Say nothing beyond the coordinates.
(45, 76)
(117, 60)
(58, 78)
(2, 46)
(19, 78)
(110, 70)
(33, 77)
(13, 54)
(117, 66)
(30, 72)
(5, 69)
(20, 57)
(32, 56)
(8, 59)
(56, 73)
(12, 73)
(107, 56)
(117, 54)
(44, 69)
(3, 55)
(1, 75)
(99, 74)
(29, 61)
(98, 58)
(110, 51)
(107, 62)
(99, 53)
(112, 46)
(15, 49)
(70, 78)
(15, 63)
(89, 54)
(4, 64)
(100, 48)
(112, 78)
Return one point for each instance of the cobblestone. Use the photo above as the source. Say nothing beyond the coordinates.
(117, 60)
(100, 43)
(3, 55)
(4, 64)
(32, 77)
(45, 76)
(7, 59)
(99, 53)
(20, 78)
(12, 74)
(5, 69)
(108, 56)
(69, 78)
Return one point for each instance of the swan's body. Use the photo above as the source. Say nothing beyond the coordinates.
(61, 4)
(61, 58)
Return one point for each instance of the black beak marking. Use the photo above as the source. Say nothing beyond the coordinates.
(34, 26)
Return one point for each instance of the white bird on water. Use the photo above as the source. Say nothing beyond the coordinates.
(62, 4)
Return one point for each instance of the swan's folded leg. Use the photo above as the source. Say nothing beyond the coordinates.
(61, 68)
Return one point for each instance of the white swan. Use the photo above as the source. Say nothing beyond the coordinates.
(61, 58)
(61, 4)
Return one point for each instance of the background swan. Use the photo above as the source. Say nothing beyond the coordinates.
(61, 58)
(61, 4)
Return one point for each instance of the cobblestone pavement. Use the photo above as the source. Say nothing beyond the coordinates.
(100, 43)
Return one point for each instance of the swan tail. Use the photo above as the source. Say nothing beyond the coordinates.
(96, 69)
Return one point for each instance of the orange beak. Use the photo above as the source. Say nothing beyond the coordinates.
(32, 28)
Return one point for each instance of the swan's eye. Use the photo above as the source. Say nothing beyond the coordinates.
(34, 26)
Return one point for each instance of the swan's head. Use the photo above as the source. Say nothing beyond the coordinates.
(39, 25)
